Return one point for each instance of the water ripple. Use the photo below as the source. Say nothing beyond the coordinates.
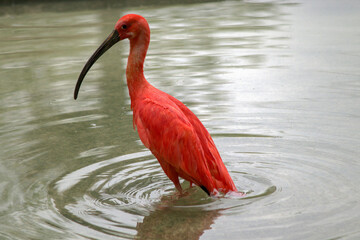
(123, 191)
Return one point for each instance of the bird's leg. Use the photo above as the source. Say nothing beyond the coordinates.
(178, 186)
(172, 174)
(191, 184)
(176, 182)
(175, 179)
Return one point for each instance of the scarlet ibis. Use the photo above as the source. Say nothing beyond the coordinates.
(173, 133)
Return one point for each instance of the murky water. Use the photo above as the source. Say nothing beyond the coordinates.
(276, 83)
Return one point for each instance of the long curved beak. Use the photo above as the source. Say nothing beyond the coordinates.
(107, 44)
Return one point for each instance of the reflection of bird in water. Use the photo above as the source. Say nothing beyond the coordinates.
(175, 223)
(176, 137)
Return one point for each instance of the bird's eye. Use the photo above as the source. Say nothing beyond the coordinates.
(124, 26)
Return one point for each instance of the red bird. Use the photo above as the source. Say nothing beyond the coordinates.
(173, 133)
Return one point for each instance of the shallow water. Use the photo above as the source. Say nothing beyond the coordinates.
(276, 84)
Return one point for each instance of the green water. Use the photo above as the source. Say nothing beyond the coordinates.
(276, 83)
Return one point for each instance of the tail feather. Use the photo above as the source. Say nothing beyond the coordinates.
(205, 190)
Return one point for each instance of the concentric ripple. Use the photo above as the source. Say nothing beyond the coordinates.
(129, 196)
(113, 196)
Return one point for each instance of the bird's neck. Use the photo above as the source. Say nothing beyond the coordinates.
(135, 66)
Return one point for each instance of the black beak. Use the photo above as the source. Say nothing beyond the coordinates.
(107, 44)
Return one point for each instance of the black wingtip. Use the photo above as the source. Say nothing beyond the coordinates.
(205, 190)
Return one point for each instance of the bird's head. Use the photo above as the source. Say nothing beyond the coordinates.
(130, 26)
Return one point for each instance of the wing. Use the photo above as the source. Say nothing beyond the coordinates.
(216, 166)
(175, 135)
(166, 131)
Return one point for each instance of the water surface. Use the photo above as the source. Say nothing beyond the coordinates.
(276, 83)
